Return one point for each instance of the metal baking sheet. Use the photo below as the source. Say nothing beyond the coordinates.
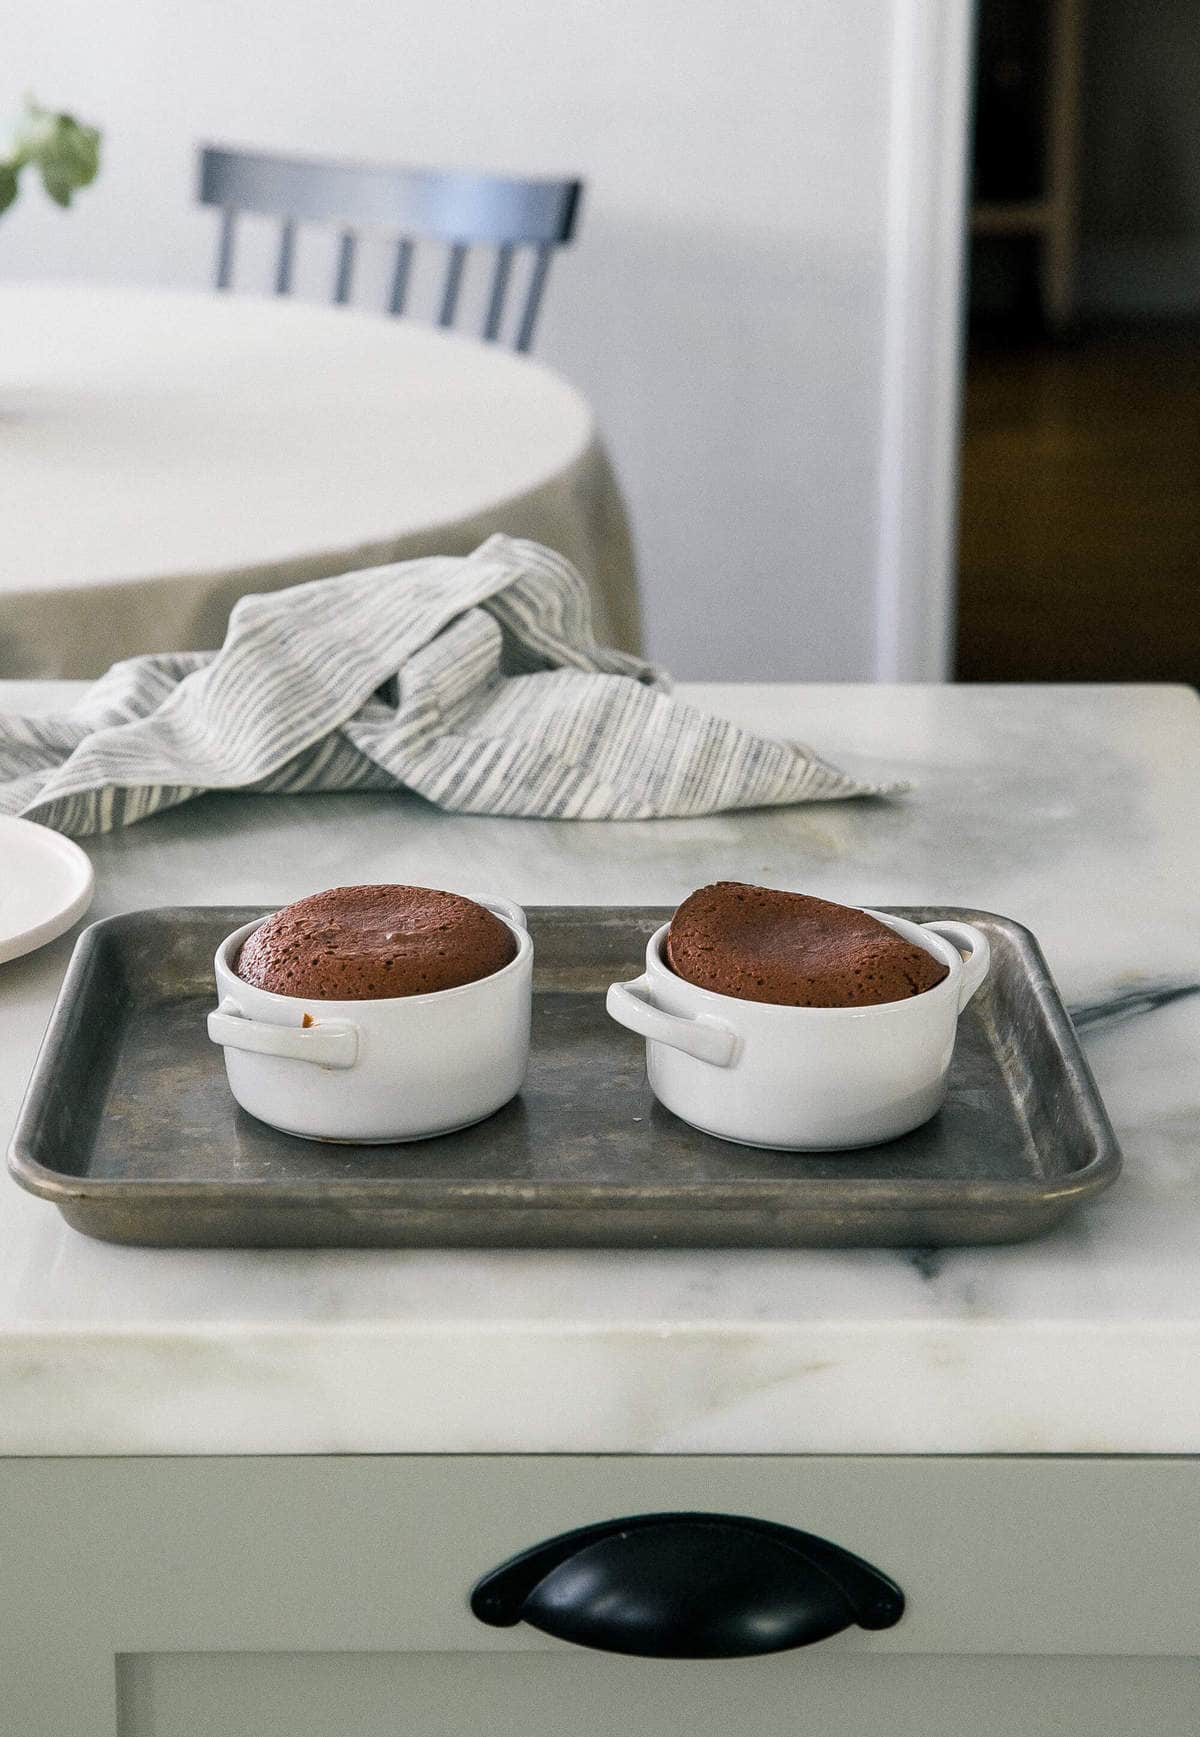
(129, 1128)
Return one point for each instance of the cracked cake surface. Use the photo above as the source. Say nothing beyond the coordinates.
(375, 943)
(761, 944)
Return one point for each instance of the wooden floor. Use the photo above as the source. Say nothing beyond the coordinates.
(1079, 545)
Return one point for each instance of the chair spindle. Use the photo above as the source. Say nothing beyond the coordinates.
(287, 251)
(452, 283)
(495, 311)
(225, 248)
(400, 274)
(345, 266)
(533, 295)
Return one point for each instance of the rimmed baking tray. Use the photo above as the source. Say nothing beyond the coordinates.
(129, 1128)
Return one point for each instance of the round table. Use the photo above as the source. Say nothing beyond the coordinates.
(162, 454)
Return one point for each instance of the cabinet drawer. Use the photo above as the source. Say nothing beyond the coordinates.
(164, 1564)
(591, 1695)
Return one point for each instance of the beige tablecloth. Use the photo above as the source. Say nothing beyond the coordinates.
(163, 454)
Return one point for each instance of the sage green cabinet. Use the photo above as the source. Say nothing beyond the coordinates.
(325, 1597)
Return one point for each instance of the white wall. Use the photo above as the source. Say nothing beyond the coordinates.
(725, 305)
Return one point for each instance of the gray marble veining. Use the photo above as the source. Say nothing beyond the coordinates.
(1071, 809)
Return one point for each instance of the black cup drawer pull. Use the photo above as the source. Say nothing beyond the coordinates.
(688, 1586)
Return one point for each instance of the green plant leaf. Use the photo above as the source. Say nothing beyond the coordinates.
(66, 153)
(69, 157)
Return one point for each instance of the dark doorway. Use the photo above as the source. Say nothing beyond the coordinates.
(1079, 546)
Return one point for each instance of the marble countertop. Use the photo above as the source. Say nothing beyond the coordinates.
(1071, 809)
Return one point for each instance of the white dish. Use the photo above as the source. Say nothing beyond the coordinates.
(46, 884)
(803, 1078)
(376, 1072)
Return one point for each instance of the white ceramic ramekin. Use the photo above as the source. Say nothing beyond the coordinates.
(370, 1072)
(803, 1078)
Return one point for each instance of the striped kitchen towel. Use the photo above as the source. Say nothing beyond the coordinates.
(473, 680)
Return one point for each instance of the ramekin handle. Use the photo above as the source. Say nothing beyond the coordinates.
(974, 943)
(630, 1004)
(506, 908)
(331, 1043)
